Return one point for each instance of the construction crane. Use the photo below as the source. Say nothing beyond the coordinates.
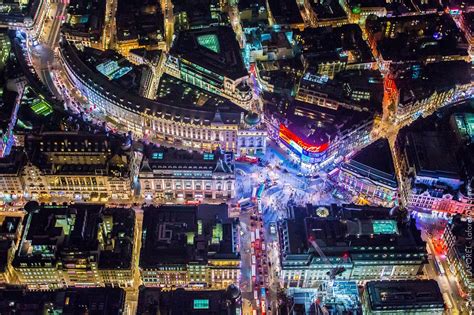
(335, 271)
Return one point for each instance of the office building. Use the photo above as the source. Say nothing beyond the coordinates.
(403, 297)
(432, 165)
(78, 165)
(458, 244)
(422, 89)
(156, 300)
(11, 183)
(418, 38)
(77, 245)
(183, 124)
(169, 174)
(360, 243)
(370, 175)
(263, 44)
(285, 12)
(326, 13)
(24, 15)
(210, 59)
(194, 247)
(329, 50)
(85, 24)
(107, 301)
(10, 233)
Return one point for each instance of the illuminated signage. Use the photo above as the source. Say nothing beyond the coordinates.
(298, 144)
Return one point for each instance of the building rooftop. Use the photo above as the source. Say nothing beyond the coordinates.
(347, 230)
(215, 49)
(78, 153)
(162, 158)
(178, 235)
(140, 20)
(325, 10)
(15, 11)
(431, 154)
(375, 162)
(85, 18)
(411, 38)
(360, 90)
(138, 104)
(403, 7)
(416, 81)
(51, 230)
(329, 44)
(319, 126)
(177, 92)
(13, 162)
(404, 295)
(107, 301)
(180, 302)
(9, 227)
(285, 12)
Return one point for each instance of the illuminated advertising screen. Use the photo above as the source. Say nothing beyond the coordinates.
(300, 147)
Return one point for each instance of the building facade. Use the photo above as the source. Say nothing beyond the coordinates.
(355, 248)
(191, 128)
(170, 174)
(196, 247)
(78, 166)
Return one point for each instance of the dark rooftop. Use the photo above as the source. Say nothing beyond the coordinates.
(324, 44)
(413, 38)
(66, 152)
(404, 295)
(164, 158)
(327, 9)
(85, 18)
(215, 49)
(431, 154)
(177, 235)
(93, 301)
(374, 161)
(182, 302)
(13, 162)
(347, 228)
(136, 103)
(51, 230)
(285, 11)
(177, 92)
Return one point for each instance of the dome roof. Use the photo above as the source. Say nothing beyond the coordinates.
(233, 292)
(252, 118)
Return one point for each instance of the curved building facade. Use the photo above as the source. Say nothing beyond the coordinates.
(183, 126)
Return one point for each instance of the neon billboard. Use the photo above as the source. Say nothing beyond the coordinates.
(298, 145)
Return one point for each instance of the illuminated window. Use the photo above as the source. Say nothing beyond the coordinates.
(157, 156)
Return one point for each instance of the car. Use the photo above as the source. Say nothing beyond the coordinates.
(285, 170)
(272, 228)
(299, 175)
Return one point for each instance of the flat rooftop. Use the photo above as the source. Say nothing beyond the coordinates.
(431, 154)
(163, 158)
(375, 162)
(404, 295)
(178, 235)
(417, 37)
(177, 92)
(417, 81)
(156, 301)
(107, 301)
(285, 11)
(327, 9)
(346, 229)
(323, 44)
(402, 7)
(135, 103)
(215, 49)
